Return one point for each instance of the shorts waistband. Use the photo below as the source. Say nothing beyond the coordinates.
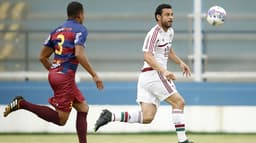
(147, 69)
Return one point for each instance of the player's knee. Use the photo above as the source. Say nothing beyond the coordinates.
(81, 107)
(84, 108)
(62, 122)
(148, 119)
(181, 104)
(63, 117)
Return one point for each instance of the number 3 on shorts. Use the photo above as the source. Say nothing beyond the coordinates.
(58, 50)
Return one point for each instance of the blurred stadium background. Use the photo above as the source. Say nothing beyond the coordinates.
(220, 97)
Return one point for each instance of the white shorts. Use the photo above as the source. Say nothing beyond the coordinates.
(153, 87)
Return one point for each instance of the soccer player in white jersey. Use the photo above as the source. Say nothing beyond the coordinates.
(155, 83)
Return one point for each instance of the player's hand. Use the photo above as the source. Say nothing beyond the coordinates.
(99, 82)
(169, 75)
(185, 70)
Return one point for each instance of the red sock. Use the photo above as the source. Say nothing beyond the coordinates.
(81, 126)
(43, 112)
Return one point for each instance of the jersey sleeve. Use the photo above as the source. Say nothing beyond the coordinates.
(48, 42)
(149, 44)
(80, 37)
(150, 41)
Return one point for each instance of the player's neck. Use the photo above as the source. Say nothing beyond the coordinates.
(163, 28)
(75, 19)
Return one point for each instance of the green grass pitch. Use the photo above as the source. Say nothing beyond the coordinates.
(127, 138)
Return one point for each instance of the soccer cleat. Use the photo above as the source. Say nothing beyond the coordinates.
(187, 141)
(104, 118)
(13, 106)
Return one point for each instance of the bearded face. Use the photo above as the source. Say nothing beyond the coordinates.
(165, 20)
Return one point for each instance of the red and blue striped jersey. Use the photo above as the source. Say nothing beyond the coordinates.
(63, 40)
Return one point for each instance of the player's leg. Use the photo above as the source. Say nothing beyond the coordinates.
(127, 116)
(148, 109)
(81, 120)
(178, 103)
(57, 117)
(148, 112)
(146, 115)
(145, 98)
(107, 116)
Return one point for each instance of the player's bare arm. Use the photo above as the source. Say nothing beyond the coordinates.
(184, 67)
(46, 52)
(149, 58)
(81, 57)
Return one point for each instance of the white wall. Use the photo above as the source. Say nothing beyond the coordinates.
(198, 118)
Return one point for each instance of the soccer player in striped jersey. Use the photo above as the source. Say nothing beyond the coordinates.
(67, 43)
(155, 81)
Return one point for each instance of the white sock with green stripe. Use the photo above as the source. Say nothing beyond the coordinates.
(129, 117)
(179, 122)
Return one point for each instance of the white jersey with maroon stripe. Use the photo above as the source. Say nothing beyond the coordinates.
(159, 43)
(152, 86)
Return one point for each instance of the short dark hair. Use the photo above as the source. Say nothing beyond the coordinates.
(160, 8)
(74, 8)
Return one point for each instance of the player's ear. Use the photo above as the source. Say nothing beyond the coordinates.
(158, 17)
(78, 16)
(81, 16)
